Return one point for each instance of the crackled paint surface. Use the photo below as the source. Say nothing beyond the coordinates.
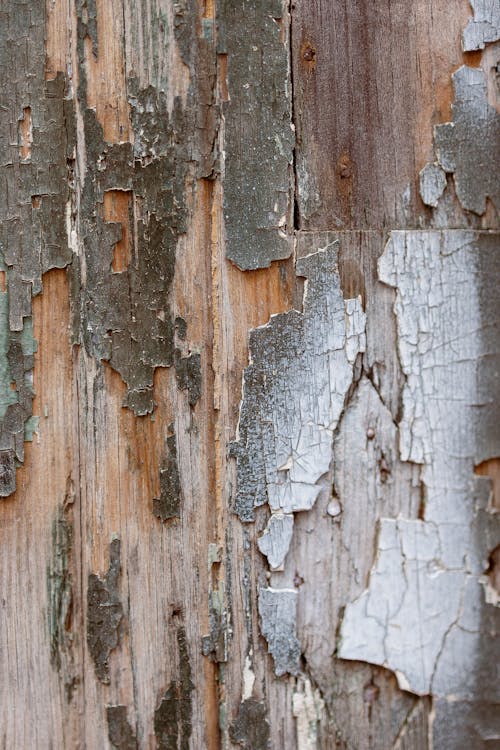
(424, 614)
(294, 391)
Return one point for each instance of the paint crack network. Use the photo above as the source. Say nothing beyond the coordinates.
(424, 613)
(294, 390)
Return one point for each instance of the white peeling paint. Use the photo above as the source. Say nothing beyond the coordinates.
(432, 184)
(484, 27)
(278, 613)
(424, 613)
(307, 706)
(248, 678)
(275, 541)
(293, 395)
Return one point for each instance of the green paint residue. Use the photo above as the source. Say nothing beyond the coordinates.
(30, 426)
(7, 395)
(28, 343)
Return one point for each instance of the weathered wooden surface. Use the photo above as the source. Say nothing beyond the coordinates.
(212, 494)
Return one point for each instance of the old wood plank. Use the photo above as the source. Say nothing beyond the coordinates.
(370, 81)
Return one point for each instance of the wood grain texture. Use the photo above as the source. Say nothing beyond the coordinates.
(138, 609)
(377, 81)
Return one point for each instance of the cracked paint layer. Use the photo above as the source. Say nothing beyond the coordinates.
(104, 613)
(278, 615)
(258, 134)
(484, 27)
(469, 146)
(424, 613)
(301, 368)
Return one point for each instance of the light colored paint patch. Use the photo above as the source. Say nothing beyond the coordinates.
(432, 184)
(275, 541)
(484, 27)
(307, 706)
(248, 678)
(278, 614)
(294, 391)
(424, 613)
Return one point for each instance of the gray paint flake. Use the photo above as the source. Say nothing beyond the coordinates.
(278, 614)
(484, 27)
(424, 613)
(258, 134)
(125, 318)
(469, 146)
(432, 184)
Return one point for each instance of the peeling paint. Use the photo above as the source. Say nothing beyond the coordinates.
(432, 184)
(188, 374)
(125, 317)
(469, 146)
(248, 678)
(172, 718)
(307, 705)
(104, 613)
(424, 614)
(36, 142)
(301, 368)
(484, 27)
(168, 505)
(278, 615)
(215, 644)
(120, 733)
(251, 728)
(275, 541)
(259, 139)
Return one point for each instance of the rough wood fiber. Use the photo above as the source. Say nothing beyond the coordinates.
(370, 81)
(138, 610)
